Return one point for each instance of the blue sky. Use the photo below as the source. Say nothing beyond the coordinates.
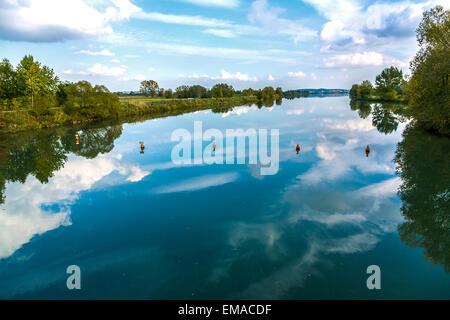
(247, 43)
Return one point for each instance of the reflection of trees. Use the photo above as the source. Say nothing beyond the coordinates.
(423, 163)
(268, 103)
(364, 108)
(222, 109)
(92, 141)
(44, 152)
(384, 119)
(39, 155)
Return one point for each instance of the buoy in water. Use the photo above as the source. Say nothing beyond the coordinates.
(367, 150)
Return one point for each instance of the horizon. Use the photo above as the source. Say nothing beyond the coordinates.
(309, 43)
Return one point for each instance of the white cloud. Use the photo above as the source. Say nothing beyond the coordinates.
(115, 60)
(123, 10)
(270, 78)
(132, 56)
(195, 76)
(269, 18)
(296, 112)
(353, 22)
(199, 183)
(183, 19)
(238, 111)
(225, 75)
(139, 77)
(313, 76)
(366, 58)
(101, 70)
(24, 217)
(237, 76)
(104, 52)
(298, 74)
(71, 72)
(55, 20)
(151, 69)
(215, 3)
(217, 52)
(224, 33)
(360, 125)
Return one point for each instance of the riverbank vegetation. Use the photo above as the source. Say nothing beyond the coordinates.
(426, 92)
(32, 97)
(389, 86)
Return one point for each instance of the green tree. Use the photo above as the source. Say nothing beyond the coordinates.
(365, 89)
(39, 80)
(169, 94)
(268, 93)
(86, 102)
(182, 92)
(390, 83)
(279, 93)
(216, 92)
(149, 88)
(226, 89)
(197, 91)
(10, 87)
(428, 88)
(354, 91)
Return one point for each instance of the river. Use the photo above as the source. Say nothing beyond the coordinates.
(141, 226)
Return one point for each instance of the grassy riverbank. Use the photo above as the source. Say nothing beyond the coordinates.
(22, 120)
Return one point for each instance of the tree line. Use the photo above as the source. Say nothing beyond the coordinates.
(33, 97)
(34, 88)
(150, 88)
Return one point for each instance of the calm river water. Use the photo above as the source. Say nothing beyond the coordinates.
(142, 227)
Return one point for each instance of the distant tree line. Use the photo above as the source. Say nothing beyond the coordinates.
(150, 88)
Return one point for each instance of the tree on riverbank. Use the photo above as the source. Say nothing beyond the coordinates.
(428, 89)
(149, 88)
(389, 86)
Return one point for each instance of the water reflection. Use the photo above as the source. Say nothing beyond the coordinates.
(43, 183)
(423, 164)
(214, 231)
(385, 116)
(41, 154)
